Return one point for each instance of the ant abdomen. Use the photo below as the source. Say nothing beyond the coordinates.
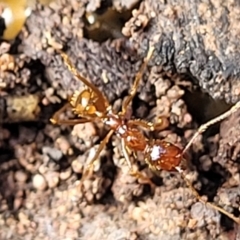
(161, 155)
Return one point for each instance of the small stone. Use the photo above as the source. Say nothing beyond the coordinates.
(21, 230)
(21, 176)
(72, 234)
(29, 205)
(192, 223)
(23, 218)
(10, 221)
(84, 131)
(54, 153)
(63, 228)
(137, 213)
(17, 203)
(49, 92)
(77, 166)
(39, 182)
(63, 145)
(62, 210)
(52, 179)
(65, 174)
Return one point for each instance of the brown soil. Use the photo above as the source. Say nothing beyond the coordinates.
(41, 165)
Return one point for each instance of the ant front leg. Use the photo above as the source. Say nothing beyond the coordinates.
(56, 117)
(137, 80)
(199, 198)
(133, 172)
(96, 155)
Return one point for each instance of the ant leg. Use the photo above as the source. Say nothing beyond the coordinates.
(89, 168)
(137, 80)
(126, 154)
(100, 148)
(199, 198)
(205, 126)
(161, 124)
(70, 121)
(74, 71)
(132, 172)
(55, 119)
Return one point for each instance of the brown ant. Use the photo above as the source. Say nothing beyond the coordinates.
(91, 105)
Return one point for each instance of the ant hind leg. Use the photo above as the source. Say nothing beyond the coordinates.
(132, 172)
(161, 124)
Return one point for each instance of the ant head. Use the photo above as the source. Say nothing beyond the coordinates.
(88, 104)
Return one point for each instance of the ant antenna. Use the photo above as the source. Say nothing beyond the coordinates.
(202, 129)
(206, 125)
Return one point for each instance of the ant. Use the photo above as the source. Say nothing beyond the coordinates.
(92, 105)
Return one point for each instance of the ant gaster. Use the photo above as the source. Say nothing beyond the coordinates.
(92, 105)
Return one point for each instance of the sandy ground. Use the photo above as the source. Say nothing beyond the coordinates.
(41, 164)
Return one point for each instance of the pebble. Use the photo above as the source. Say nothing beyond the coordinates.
(23, 218)
(137, 213)
(63, 228)
(63, 144)
(84, 131)
(77, 166)
(17, 203)
(39, 182)
(52, 179)
(62, 210)
(64, 175)
(54, 153)
(21, 176)
(29, 205)
(21, 229)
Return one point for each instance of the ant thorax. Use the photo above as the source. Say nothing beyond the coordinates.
(116, 123)
(134, 139)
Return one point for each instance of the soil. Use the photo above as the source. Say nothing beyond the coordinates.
(189, 79)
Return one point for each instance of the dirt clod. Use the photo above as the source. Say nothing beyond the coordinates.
(43, 192)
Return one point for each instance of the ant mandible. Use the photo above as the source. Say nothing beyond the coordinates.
(92, 105)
